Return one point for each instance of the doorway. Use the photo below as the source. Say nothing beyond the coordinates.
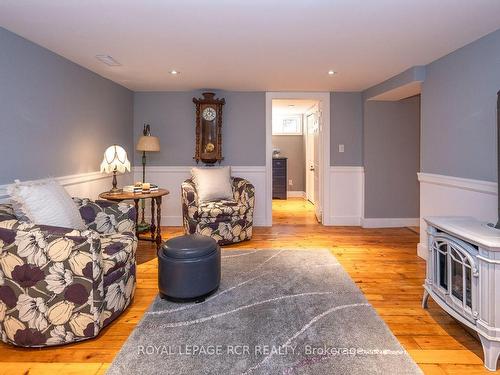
(312, 121)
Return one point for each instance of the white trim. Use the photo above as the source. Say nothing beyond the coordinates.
(462, 183)
(383, 222)
(363, 185)
(296, 194)
(347, 221)
(81, 177)
(72, 181)
(324, 99)
(269, 166)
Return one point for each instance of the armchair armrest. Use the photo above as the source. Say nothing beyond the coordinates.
(244, 192)
(42, 245)
(50, 279)
(107, 217)
(189, 200)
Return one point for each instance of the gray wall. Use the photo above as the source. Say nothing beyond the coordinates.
(391, 150)
(56, 118)
(346, 127)
(292, 147)
(172, 118)
(459, 111)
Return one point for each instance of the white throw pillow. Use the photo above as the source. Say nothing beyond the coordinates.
(46, 202)
(213, 183)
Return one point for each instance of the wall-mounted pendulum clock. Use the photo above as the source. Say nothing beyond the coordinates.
(208, 128)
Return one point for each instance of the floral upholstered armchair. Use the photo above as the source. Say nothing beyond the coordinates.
(59, 285)
(226, 221)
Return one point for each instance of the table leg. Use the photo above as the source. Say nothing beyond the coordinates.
(158, 221)
(136, 204)
(143, 207)
(153, 226)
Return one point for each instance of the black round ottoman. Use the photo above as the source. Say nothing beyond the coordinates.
(188, 268)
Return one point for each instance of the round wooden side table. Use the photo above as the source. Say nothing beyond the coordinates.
(156, 198)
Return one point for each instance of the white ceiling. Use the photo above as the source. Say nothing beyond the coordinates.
(251, 44)
(292, 106)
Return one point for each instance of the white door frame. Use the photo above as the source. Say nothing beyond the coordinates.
(324, 155)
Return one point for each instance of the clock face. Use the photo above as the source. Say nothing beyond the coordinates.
(209, 114)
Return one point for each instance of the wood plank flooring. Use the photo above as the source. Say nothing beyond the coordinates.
(382, 262)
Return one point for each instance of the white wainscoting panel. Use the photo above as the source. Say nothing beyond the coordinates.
(347, 195)
(452, 196)
(171, 177)
(83, 185)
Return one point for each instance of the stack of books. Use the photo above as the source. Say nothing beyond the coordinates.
(149, 188)
(133, 189)
(140, 187)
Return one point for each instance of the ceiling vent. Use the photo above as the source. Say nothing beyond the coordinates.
(108, 60)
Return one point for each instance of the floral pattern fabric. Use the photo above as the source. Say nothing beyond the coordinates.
(226, 221)
(59, 285)
(106, 217)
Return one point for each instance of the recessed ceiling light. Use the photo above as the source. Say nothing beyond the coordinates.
(174, 72)
(291, 105)
(108, 60)
(331, 72)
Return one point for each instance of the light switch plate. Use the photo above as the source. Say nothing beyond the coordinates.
(341, 148)
(290, 182)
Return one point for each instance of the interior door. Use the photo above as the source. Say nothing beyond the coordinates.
(312, 161)
(316, 149)
(309, 131)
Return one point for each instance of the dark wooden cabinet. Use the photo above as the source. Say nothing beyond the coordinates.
(279, 178)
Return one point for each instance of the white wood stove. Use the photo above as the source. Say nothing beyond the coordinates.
(463, 277)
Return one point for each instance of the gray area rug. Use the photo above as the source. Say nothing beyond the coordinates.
(276, 312)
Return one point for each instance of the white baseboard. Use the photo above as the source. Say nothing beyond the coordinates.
(442, 195)
(296, 194)
(389, 222)
(350, 221)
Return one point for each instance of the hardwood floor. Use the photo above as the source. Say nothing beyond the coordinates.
(382, 262)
